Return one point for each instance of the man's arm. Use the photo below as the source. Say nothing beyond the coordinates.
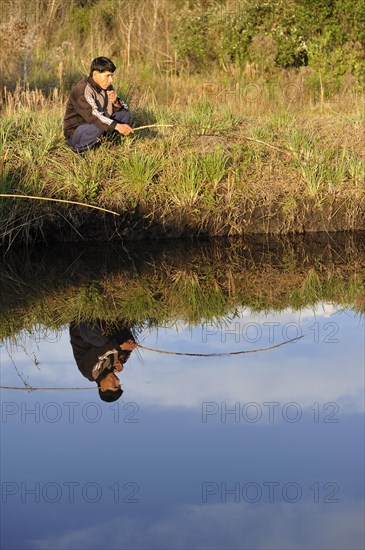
(114, 99)
(128, 345)
(118, 105)
(92, 334)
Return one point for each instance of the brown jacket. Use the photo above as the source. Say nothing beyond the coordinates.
(90, 345)
(88, 104)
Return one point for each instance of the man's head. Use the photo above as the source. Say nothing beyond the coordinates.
(109, 387)
(101, 71)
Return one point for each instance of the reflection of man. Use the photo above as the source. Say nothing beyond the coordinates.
(99, 353)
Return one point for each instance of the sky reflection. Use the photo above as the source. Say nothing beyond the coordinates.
(256, 451)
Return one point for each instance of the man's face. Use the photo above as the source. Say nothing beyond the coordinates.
(103, 79)
(110, 382)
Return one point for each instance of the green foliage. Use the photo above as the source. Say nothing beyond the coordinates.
(356, 169)
(324, 34)
(80, 177)
(178, 35)
(85, 18)
(199, 116)
(214, 166)
(137, 170)
(80, 18)
(193, 36)
(189, 180)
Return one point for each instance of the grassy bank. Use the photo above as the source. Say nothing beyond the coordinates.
(160, 284)
(228, 165)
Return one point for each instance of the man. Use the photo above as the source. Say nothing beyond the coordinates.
(99, 353)
(94, 108)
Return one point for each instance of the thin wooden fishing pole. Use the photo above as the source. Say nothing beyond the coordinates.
(59, 200)
(154, 126)
(220, 354)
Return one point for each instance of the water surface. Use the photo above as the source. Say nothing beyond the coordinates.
(261, 450)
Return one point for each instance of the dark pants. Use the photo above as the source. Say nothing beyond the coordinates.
(86, 136)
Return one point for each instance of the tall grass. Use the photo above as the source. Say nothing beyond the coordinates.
(217, 171)
(138, 171)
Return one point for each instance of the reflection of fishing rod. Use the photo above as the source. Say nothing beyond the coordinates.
(29, 388)
(221, 354)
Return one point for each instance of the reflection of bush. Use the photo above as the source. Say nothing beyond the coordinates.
(179, 281)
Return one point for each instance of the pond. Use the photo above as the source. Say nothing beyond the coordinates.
(253, 441)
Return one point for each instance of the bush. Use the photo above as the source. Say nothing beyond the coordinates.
(326, 35)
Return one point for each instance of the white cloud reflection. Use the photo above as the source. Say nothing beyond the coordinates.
(302, 525)
(304, 372)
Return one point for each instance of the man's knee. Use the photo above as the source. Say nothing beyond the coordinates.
(122, 117)
(86, 136)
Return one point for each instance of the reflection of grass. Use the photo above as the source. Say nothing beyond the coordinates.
(310, 290)
(191, 295)
(140, 304)
(185, 284)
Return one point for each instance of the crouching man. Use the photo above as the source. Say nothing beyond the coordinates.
(100, 353)
(94, 108)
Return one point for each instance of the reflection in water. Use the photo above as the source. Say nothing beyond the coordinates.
(258, 452)
(99, 353)
(193, 282)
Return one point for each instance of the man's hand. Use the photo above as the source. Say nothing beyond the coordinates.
(124, 129)
(128, 345)
(112, 94)
(118, 366)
